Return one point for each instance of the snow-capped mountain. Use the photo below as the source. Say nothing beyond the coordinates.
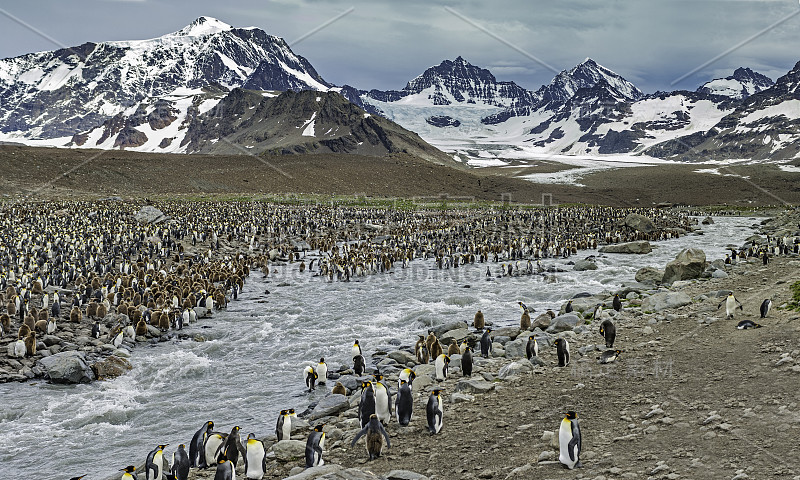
(743, 83)
(54, 94)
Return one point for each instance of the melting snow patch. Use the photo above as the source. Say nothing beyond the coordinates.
(366, 115)
(790, 168)
(309, 130)
(319, 98)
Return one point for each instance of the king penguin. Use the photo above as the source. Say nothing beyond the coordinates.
(383, 400)
(154, 465)
(367, 404)
(129, 473)
(731, 303)
(375, 434)
(745, 324)
(310, 377)
(562, 349)
(569, 441)
(532, 348)
(314, 447)
(214, 440)
(609, 356)
(609, 332)
(616, 304)
(466, 362)
(404, 403)
(283, 429)
(435, 411)
(766, 305)
(180, 463)
(322, 372)
(479, 321)
(225, 469)
(486, 343)
(197, 454)
(441, 363)
(232, 446)
(255, 458)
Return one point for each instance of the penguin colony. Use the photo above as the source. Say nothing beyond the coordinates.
(68, 269)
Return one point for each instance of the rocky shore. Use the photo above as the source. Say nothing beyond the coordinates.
(690, 396)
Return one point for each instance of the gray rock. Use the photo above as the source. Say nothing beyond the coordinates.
(473, 385)
(719, 274)
(439, 330)
(649, 275)
(67, 367)
(330, 405)
(638, 247)
(425, 369)
(635, 221)
(402, 357)
(585, 264)
(150, 215)
(708, 221)
(542, 321)
(514, 369)
(688, 264)
(288, 450)
(457, 334)
(516, 348)
(404, 475)
(316, 472)
(111, 367)
(562, 323)
(664, 300)
(50, 340)
(461, 397)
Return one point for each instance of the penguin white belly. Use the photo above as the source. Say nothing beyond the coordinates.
(440, 418)
(441, 373)
(730, 306)
(564, 437)
(287, 427)
(213, 443)
(19, 349)
(382, 404)
(255, 460)
(322, 371)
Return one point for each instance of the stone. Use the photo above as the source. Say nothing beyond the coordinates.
(562, 323)
(546, 455)
(638, 247)
(404, 475)
(402, 357)
(110, 367)
(67, 367)
(425, 369)
(314, 472)
(150, 215)
(473, 385)
(50, 340)
(461, 397)
(719, 274)
(585, 264)
(458, 334)
(690, 263)
(649, 275)
(514, 369)
(635, 221)
(439, 330)
(288, 450)
(542, 321)
(516, 348)
(330, 405)
(664, 300)
(708, 221)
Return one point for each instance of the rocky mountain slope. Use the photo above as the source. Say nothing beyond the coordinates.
(743, 83)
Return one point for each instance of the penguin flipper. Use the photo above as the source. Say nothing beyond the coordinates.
(386, 436)
(359, 435)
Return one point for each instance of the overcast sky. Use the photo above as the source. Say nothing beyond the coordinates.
(383, 44)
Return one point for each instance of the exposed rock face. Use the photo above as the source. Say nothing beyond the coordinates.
(585, 264)
(634, 221)
(67, 367)
(665, 300)
(688, 264)
(638, 247)
(649, 275)
(110, 367)
(150, 214)
(442, 121)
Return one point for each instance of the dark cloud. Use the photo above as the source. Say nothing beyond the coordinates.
(383, 44)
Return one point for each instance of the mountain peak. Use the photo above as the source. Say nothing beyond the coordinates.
(743, 83)
(203, 26)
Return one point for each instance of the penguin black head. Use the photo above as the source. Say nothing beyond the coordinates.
(77, 478)
(403, 382)
(618, 352)
(210, 424)
(291, 411)
(319, 427)
(283, 412)
(162, 447)
(222, 458)
(436, 391)
(128, 469)
(571, 415)
(322, 360)
(378, 377)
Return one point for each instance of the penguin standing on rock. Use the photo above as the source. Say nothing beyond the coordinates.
(532, 347)
(766, 306)
(310, 377)
(569, 441)
(322, 372)
(180, 463)
(616, 304)
(486, 343)
(197, 457)
(442, 361)
(731, 303)
(404, 403)
(435, 411)
(568, 308)
(255, 458)
(314, 447)
(466, 362)
(478, 321)
(562, 349)
(609, 332)
(375, 433)
(383, 400)
(226, 470)
(367, 405)
(154, 465)
(359, 365)
(283, 429)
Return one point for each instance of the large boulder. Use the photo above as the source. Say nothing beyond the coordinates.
(67, 367)
(474, 385)
(330, 405)
(634, 221)
(564, 322)
(665, 300)
(649, 275)
(110, 367)
(585, 264)
(150, 215)
(688, 264)
(288, 450)
(638, 247)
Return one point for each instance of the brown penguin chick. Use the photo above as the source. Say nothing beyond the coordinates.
(436, 349)
(44, 314)
(525, 320)
(302, 267)
(30, 344)
(5, 322)
(23, 332)
(30, 321)
(453, 348)
(339, 389)
(41, 326)
(11, 308)
(102, 311)
(418, 348)
(75, 315)
(163, 321)
(141, 328)
(91, 309)
(123, 308)
(479, 321)
(429, 342)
